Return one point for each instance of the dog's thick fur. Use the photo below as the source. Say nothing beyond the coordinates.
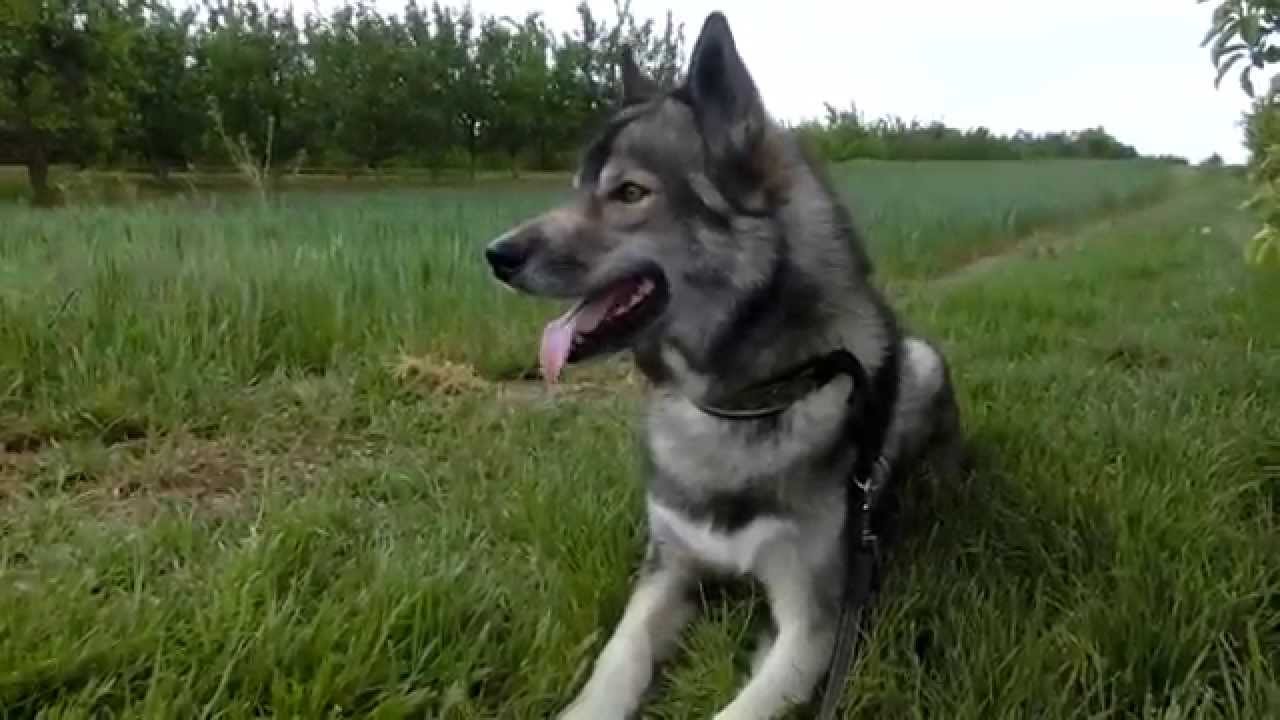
(761, 268)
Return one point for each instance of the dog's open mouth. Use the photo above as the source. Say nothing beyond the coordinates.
(603, 322)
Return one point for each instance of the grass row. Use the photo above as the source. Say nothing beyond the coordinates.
(155, 316)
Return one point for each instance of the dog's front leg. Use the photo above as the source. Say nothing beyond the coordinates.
(660, 606)
(806, 626)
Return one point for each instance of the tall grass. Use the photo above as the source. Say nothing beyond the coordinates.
(155, 314)
(928, 217)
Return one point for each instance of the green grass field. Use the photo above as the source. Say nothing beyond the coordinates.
(276, 462)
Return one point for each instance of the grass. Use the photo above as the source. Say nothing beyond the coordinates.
(218, 500)
(159, 315)
(930, 217)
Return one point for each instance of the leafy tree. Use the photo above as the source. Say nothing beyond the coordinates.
(1214, 161)
(466, 80)
(255, 76)
(63, 76)
(1243, 30)
(167, 119)
(426, 112)
(358, 89)
(594, 49)
(522, 89)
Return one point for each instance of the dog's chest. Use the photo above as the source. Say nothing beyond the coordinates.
(733, 494)
(738, 552)
(703, 453)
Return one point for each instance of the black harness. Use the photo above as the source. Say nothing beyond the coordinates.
(871, 402)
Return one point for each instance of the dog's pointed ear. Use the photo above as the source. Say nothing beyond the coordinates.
(636, 86)
(722, 93)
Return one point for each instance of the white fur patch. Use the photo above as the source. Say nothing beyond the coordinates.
(925, 364)
(737, 552)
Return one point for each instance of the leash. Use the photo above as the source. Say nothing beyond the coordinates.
(860, 578)
(869, 476)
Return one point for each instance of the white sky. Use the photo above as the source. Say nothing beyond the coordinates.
(1133, 66)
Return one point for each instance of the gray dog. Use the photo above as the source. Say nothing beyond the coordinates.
(702, 238)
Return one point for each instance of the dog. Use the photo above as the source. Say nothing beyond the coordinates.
(702, 238)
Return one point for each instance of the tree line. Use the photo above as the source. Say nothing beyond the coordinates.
(171, 84)
(847, 134)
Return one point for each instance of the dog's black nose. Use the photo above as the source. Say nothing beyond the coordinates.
(506, 257)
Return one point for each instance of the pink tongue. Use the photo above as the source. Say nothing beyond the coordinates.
(557, 338)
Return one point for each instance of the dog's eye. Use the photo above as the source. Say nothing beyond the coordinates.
(630, 193)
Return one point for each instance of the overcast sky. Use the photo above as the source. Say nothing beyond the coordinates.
(1133, 66)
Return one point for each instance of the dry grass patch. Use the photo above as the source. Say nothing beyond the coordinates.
(429, 374)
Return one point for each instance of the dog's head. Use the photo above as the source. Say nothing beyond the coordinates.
(671, 227)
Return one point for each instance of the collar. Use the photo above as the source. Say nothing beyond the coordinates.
(772, 396)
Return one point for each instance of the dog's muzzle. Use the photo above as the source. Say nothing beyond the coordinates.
(507, 256)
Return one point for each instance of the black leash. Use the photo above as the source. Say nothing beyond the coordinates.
(870, 409)
(860, 578)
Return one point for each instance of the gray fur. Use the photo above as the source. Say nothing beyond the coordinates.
(763, 269)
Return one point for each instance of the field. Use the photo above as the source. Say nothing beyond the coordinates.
(288, 461)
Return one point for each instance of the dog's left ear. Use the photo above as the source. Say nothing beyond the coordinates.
(723, 95)
(636, 86)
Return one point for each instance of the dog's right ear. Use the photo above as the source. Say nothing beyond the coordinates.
(636, 86)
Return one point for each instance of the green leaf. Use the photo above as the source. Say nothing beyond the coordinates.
(1222, 47)
(1237, 49)
(1222, 72)
(1246, 82)
(1224, 11)
(1214, 29)
(1263, 247)
(1269, 253)
(1250, 31)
